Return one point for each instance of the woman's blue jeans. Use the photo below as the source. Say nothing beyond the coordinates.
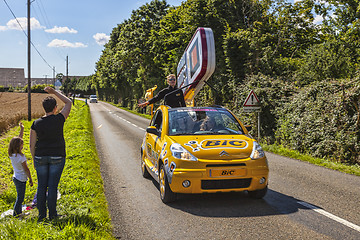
(48, 170)
(20, 190)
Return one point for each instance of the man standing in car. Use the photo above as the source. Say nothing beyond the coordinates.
(172, 96)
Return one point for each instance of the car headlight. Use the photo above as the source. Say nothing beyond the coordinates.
(181, 153)
(257, 151)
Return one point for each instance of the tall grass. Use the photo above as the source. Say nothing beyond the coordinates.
(82, 203)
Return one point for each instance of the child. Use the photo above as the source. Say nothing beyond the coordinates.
(21, 170)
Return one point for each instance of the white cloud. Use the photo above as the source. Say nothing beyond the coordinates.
(101, 38)
(2, 28)
(57, 29)
(65, 44)
(14, 24)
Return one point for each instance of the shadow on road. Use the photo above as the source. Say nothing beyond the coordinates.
(237, 204)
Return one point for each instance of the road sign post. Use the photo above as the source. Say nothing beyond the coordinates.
(252, 104)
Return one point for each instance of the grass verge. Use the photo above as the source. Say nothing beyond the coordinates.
(82, 203)
(280, 150)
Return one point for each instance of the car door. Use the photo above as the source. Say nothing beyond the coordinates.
(152, 140)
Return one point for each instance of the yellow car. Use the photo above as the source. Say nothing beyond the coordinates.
(202, 150)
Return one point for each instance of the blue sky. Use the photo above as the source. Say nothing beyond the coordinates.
(77, 29)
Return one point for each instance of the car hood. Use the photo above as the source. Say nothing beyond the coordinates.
(217, 147)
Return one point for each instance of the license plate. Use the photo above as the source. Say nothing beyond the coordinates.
(227, 172)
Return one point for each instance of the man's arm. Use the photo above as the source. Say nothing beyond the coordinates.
(68, 103)
(158, 97)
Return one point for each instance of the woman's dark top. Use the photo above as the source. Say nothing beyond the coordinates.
(50, 135)
(175, 99)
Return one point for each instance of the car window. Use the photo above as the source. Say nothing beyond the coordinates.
(157, 120)
(230, 123)
(202, 121)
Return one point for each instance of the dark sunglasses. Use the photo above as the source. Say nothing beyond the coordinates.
(172, 79)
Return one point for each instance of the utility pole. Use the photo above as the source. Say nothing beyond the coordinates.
(67, 74)
(45, 78)
(29, 60)
(54, 75)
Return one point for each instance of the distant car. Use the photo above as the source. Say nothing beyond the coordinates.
(202, 150)
(93, 99)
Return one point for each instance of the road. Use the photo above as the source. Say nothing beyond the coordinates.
(303, 202)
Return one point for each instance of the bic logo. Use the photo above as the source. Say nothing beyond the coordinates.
(223, 144)
(227, 172)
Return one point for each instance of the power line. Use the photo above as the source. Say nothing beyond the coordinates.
(15, 17)
(45, 18)
(27, 35)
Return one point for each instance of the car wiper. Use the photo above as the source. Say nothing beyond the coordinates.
(178, 134)
(215, 133)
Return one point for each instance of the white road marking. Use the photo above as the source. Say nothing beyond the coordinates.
(122, 119)
(331, 216)
(99, 126)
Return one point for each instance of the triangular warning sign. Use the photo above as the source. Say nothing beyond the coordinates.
(252, 100)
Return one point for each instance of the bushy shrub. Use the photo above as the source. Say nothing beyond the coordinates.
(332, 59)
(39, 88)
(323, 120)
(272, 94)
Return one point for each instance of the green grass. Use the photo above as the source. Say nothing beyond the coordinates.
(82, 203)
(280, 150)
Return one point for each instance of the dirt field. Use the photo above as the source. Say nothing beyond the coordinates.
(14, 107)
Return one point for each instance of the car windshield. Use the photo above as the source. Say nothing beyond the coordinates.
(202, 121)
(93, 96)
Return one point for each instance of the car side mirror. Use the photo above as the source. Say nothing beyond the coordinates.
(248, 127)
(153, 130)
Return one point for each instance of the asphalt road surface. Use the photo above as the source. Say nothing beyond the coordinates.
(303, 202)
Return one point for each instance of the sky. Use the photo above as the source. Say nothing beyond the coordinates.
(77, 29)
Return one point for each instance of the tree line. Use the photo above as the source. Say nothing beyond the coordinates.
(306, 74)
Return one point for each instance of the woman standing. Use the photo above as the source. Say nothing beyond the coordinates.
(47, 146)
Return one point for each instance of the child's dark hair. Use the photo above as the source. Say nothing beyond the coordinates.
(14, 145)
(49, 104)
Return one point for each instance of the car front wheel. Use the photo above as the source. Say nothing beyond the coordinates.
(144, 170)
(166, 194)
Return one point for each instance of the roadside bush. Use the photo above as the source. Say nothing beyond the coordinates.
(323, 120)
(333, 59)
(272, 94)
(38, 88)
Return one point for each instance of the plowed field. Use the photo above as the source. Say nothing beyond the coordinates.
(14, 107)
